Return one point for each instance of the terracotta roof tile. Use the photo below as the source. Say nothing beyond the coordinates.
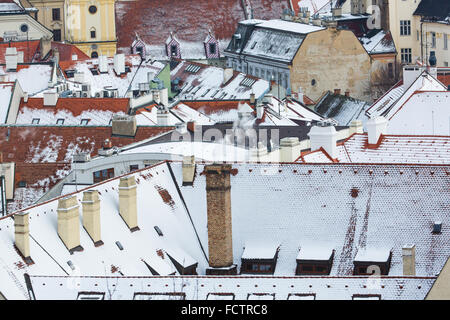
(30, 49)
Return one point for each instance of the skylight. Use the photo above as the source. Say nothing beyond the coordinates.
(84, 122)
(247, 82)
(192, 68)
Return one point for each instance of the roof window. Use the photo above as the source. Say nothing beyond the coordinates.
(314, 261)
(69, 73)
(437, 227)
(119, 245)
(35, 121)
(60, 121)
(158, 231)
(369, 261)
(247, 82)
(259, 258)
(192, 68)
(91, 296)
(84, 122)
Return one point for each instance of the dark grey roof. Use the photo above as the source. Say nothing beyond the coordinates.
(433, 9)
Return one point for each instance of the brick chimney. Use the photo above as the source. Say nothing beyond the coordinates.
(68, 223)
(409, 260)
(188, 170)
(91, 216)
(289, 149)
(22, 235)
(128, 202)
(218, 196)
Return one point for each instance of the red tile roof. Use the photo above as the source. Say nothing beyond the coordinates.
(66, 51)
(30, 49)
(153, 20)
(77, 105)
(444, 77)
(211, 107)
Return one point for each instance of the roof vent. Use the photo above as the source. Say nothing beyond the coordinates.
(437, 227)
(119, 245)
(158, 231)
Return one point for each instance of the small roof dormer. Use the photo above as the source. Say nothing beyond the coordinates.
(211, 46)
(173, 48)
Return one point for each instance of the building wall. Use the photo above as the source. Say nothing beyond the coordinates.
(441, 287)
(80, 22)
(440, 29)
(45, 15)
(334, 59)
(13, 23)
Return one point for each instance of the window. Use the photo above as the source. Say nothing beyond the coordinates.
(91, 296)
(366, 297)
(406, 55)
(84, 122)
(445, 41)
(405, 27)
(173, 50)
(35, 121)
(93, 33)
(212, 48)
(102, 175)
(391, 70)
(22, 184)
(134, 167)
(70, 73)
(433, 39)
(60, 121)
(57, 35)
(92, 9)
(159, 296)
(94, 54)
(56, 14)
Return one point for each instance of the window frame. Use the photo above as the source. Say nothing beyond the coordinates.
(405, 28)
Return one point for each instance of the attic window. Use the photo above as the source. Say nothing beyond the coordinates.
(212, 48)
(60, 121)
(173, 50)
(84, 122)
(372, 261)
(287, 50)
(437, 227)
(91, 296)
(254, 45)
(70, 73)
(259, 258)
(247, 82)
(214, 94)
(127, 69)
(270, 48)
(192, 68)
(35, 121)
(94, 71)
(158, 231)
(159, 296)
(119, 245)
(189, 89)
(22, 184)
(314, 261)
(366, 297)
(206, 92)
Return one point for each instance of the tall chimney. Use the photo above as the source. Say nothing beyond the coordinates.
(162, 116)
(103, 64)
(289, 149)
(68, 223)
(11, 59)
(128, 202)
(119, 63)
(252, 98)
(218, 197)
(50, 99)
(259, 111)
(324, 136)
(375, 128)
(91, 216)
(300, 95)
(410, 74)
(409, 260)
(22, 235)
(188, 170)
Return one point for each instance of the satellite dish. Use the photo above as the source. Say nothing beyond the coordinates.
(24, 28)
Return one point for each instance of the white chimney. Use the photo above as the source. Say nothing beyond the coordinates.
(79, 77)
(164, 97)
(25, 97)
(410, 74)
(188, 170)
(162, 117)
(259, 111)
(103, 64)
(227, 74)
(300, 95)
(409, 260)
(50, 99)
(375, 128)
(11, 58)
(356, 126)
(119, 63)
(324, 136)
(290, 149)
(20, 57)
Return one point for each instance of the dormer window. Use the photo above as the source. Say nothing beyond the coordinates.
(370, 261)
(84, 122)
(212, 48)
(60, 121)
(259, 258)
(91, 296)
(35, 121)
(314, 260)
(173, 50)
(70, 73)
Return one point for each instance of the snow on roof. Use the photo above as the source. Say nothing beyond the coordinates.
(33, 78)
(372, 255)
(207, 83)
(314, 252)
(380, 42)
(6, 91)
(186, 114)
(295, 27)
(98, 111)
(391, 149)
(260, 250)
(139, 73)
(334, 210)
(29, 48)
(140, 248)
(237, 288)
(313, 6)
(7, 7)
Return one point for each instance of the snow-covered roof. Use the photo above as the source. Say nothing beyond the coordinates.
(10, 7)
(207, 83)
(315, 252)
(71, 111)
(373, 255)
(234, 288)
(33, 78)
(6, 91)
(263, 209)
(391, 149)
(139, 73)
(260, 250)
(379, 43)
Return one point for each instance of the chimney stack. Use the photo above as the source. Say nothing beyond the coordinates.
(68, 223)
(227, 74)
(50, 99)
(300, 95)
(128, 202)
(78, 77)
(356, 126)
(376, 127)
(289, 149)
(91, 216)
(11, 59)
(103, 64)
(324, 136)
(119, 63)
(188, 170)
(259, 111)
(162, 116)
(20, 57)
(409, 260)
(410, 74)
(220, 242)
(252, 98)
(124, 125)
(22, 235)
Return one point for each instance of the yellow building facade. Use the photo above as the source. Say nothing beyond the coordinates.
(91, 26)
(51, 15)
